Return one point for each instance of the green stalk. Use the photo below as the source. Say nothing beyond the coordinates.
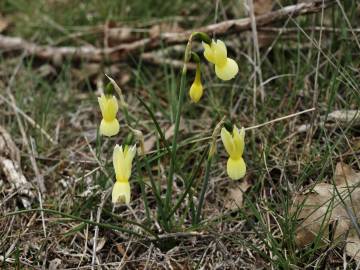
(188, 185)
(187, 55)
(174, 142)
(159, 202)
(203, 189)
(143, 191)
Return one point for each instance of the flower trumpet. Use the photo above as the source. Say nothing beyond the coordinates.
(234, 145)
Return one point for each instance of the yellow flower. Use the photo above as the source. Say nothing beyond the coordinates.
(122, 160)
(234, 145)
(196, 89)
(216, 53)
(109, 125)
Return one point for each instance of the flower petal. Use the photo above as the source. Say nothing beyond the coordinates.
(121, 193)
(227, 71)
(220, 53)
(108, 106)
(109, 128)
(209, 52)
(238, 141)
(227, 141)
(236, 168)
(129, 156)
(119, 163)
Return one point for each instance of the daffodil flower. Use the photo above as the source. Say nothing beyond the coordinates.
(196, 89)
(122, 160)
(234, 145)
(216, 53)
(109, 125)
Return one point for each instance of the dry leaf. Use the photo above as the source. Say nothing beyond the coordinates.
(352, 247)
(235, 196)
(321, 207)
(345, 117)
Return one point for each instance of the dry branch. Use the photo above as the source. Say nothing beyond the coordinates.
(122, 51)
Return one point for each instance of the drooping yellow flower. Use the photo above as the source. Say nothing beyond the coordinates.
(109, 125)
(196, 89)
(234, 145)
(122, 160)
(216, 53)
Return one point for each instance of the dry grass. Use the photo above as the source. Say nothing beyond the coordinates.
(282, 157)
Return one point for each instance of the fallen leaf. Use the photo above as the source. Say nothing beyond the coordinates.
(321, 206)
(352, 247)
(235, 196)
(345, 117)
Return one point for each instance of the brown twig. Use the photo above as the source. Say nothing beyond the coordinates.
(122, 51)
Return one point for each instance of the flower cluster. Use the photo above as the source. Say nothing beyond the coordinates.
(225, 68)
(122, 156)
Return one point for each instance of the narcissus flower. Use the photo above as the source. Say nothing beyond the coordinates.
(196, 89)
(109, 125)
(234, 145)
(216, 53)
(122, 160)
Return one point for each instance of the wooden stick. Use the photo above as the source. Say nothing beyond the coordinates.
(122, 51)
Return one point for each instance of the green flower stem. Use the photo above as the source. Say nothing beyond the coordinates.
(203, 189)
(187, 56)
(188, 185)
(143, 191)
(174, 142)
(159, 202)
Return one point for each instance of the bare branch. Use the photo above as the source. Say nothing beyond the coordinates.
(122, 51)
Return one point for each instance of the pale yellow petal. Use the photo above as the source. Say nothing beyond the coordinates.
(227, 141)
(238, 142)
(121, 193)
(130, 153)
(102, 103)
(119, 163)
(108, 106)
(220, 53)
(236, 168)
(129, 156)
(196, 92)
(209, 52)
(227, 71)
(109, 128)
